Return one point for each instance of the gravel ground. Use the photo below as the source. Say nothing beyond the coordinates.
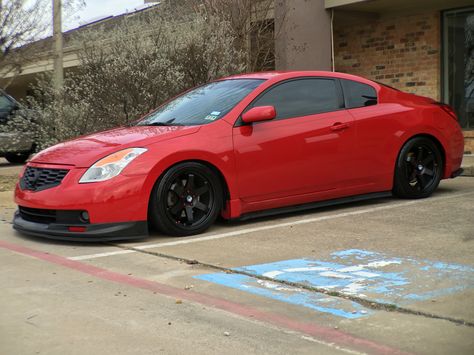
(7, 183)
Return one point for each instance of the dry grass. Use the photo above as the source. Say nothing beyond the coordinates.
(7, 183)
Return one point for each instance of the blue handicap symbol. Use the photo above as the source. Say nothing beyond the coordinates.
(361, 273)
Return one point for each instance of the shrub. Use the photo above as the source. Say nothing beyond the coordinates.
(129, 69)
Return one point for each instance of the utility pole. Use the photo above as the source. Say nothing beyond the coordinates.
(58, 45)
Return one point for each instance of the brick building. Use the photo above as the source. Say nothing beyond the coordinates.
(425, 46)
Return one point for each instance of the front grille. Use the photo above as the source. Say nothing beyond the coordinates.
(37, 179)
(37, 215)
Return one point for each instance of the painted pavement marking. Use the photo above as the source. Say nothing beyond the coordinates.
(335, 339)
(365, 274)
(266, 227)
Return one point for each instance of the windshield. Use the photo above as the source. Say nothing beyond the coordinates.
(202, 105)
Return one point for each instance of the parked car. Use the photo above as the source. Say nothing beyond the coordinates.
(15, 147)
(238, 147)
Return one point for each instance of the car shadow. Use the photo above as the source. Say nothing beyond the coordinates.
(5, 164)
(311, 212)
(72, 243)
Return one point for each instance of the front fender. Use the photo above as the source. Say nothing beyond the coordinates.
(211, 146)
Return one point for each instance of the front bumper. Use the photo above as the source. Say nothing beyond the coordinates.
(119, 200)
(91, 232)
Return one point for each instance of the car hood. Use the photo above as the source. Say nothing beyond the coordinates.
(85, 151)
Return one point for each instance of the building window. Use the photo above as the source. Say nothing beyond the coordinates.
(458, 63)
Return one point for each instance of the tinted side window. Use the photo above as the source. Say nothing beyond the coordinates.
(358, 94)
(6, 107)
(5, 103)
(301, 97)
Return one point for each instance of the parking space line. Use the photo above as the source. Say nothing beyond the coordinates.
(332, 345)
(266, 227)
(330, 337)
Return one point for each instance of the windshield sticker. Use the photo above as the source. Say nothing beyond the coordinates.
(213, 116)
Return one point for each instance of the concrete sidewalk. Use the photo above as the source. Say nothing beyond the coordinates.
(190, 295)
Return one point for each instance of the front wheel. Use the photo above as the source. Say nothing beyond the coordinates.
(186, 200)
(17, 158)
(419, 169)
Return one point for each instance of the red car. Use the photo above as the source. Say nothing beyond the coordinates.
(241, 146)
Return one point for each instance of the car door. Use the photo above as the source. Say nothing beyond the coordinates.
(373, 128)
(305, 149)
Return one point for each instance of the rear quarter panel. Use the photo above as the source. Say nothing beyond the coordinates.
(437, 123)
(383, 129)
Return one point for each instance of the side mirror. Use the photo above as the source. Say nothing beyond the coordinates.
(258, 114)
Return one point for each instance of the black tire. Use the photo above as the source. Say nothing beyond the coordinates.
(17, 158)
(419, 169)
(186, 200)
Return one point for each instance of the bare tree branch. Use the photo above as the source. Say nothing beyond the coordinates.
(23, 22)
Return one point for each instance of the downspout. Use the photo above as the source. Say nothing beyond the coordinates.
(333, 64)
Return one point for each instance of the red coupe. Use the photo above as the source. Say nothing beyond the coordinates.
(242, 146)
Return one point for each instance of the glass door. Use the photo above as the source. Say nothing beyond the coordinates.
(458, 63)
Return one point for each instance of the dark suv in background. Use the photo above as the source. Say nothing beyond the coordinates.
(16, 147)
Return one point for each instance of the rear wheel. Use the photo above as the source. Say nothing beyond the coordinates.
(186, 200)
(419, 169)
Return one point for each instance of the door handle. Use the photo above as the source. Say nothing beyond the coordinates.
(339, 126)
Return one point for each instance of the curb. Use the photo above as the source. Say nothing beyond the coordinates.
(468, 171)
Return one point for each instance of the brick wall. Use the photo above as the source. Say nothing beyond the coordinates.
(401, 51)
(469, 142)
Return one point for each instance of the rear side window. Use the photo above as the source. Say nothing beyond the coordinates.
(6, 106)
(301, 97)
(5, 103)
(358, 94)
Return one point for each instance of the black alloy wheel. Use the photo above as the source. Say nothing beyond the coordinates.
(419, 169)
(186, 200)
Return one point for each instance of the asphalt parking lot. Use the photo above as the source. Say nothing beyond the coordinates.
(384, 276)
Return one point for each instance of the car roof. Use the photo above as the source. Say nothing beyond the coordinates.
(258, 75)
(277, 75)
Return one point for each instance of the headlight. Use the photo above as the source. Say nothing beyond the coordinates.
(111, 165)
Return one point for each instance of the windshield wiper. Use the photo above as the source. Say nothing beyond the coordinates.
(158, 124)
(165, 124)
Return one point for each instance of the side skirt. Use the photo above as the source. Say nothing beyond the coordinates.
(457, 173)
(312, 205)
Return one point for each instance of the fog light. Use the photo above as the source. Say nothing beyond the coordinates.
(85, 216)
